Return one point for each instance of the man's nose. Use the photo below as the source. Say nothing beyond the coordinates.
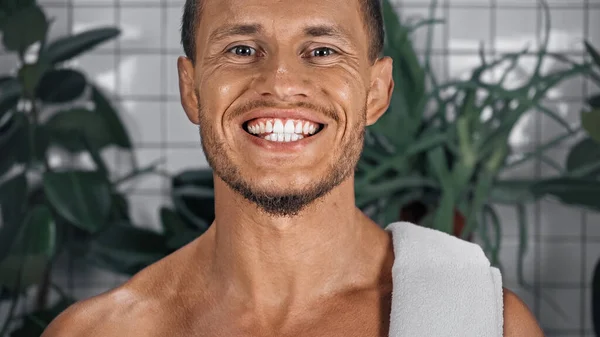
(283, 79)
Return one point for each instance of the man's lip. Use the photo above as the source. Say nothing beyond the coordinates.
(283, 148)
(283, 114)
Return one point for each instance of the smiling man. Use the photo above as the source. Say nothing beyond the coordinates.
(282, 91)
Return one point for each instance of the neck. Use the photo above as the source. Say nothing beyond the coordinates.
(330, 248)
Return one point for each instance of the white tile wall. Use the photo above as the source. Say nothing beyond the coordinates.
(141, 70)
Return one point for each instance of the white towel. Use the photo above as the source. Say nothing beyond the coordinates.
(442, 286)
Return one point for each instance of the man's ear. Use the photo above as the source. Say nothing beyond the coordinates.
(187, 89)
(380, 92)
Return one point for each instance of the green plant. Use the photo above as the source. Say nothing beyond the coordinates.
(438, 156)
(446, 145)
(127, 250)
(586, 154)
(49, 208)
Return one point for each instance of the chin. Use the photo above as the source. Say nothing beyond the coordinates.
(282, 182)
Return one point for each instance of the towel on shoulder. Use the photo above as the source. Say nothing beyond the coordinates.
(442, 286)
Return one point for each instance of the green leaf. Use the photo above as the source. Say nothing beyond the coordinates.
(23, 28)
(593, 53)
(61, 86)
(394, 186)
(35, 323)
(120, 208)
(171, 222)
(82, 198)
(178, 233)
(10, 6)
(403, 118)
(594, 102)
(32, 269)
(62, 127)
(113, 122)
(68, 47)
(596, 298)
(39, 235)
(437, 162)
(512, 191)
(124, 248)
(483, 186)
(195, 204)
(13, 193)
(571, 191)
(443, 218)
(10, 92)
(584, 154)
(426, 142)
(193, 197)
(181, 239)
(591, 123)
(14, 142)
(391, 212)
(199, 177)
(31, 251)
(30, 76)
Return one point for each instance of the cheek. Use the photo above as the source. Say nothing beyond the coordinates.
(350, 94)
(218, 90)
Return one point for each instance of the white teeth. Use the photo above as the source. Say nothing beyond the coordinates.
(289, 127)
(306, 128)
(278, 127)
(277, 131)
(283, 137)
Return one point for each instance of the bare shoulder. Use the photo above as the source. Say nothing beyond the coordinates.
(85, 317)
(518, 319)
(136, 308)
(113, 313)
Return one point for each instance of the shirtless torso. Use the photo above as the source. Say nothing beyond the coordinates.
(170, 299)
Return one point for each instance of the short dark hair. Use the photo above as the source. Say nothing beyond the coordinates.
(373, 20)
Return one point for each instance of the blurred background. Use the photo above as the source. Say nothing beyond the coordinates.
(493, 135)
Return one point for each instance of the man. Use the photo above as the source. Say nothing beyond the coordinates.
(282, 91)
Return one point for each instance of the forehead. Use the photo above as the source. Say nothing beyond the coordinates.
(282, 16)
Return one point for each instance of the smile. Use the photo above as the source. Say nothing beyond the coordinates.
(281, 129)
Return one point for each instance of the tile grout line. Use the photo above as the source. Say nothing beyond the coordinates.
(164, 90)
(584, 276)
(117, 89)
(537, 174)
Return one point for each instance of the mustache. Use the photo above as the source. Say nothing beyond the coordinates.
(245, 108)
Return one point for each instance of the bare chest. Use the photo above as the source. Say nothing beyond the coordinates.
(363, 319)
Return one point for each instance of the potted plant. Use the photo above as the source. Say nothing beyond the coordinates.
(49, 208)
(436, 157)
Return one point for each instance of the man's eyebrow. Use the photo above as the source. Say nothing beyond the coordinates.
(327, 30)
(232, 30)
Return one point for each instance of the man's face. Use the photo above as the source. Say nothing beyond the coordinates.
(281, 92)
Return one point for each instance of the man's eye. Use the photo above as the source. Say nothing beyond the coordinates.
(321, 52)
(243, 51)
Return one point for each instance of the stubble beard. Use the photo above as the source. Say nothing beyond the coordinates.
(283, 203)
